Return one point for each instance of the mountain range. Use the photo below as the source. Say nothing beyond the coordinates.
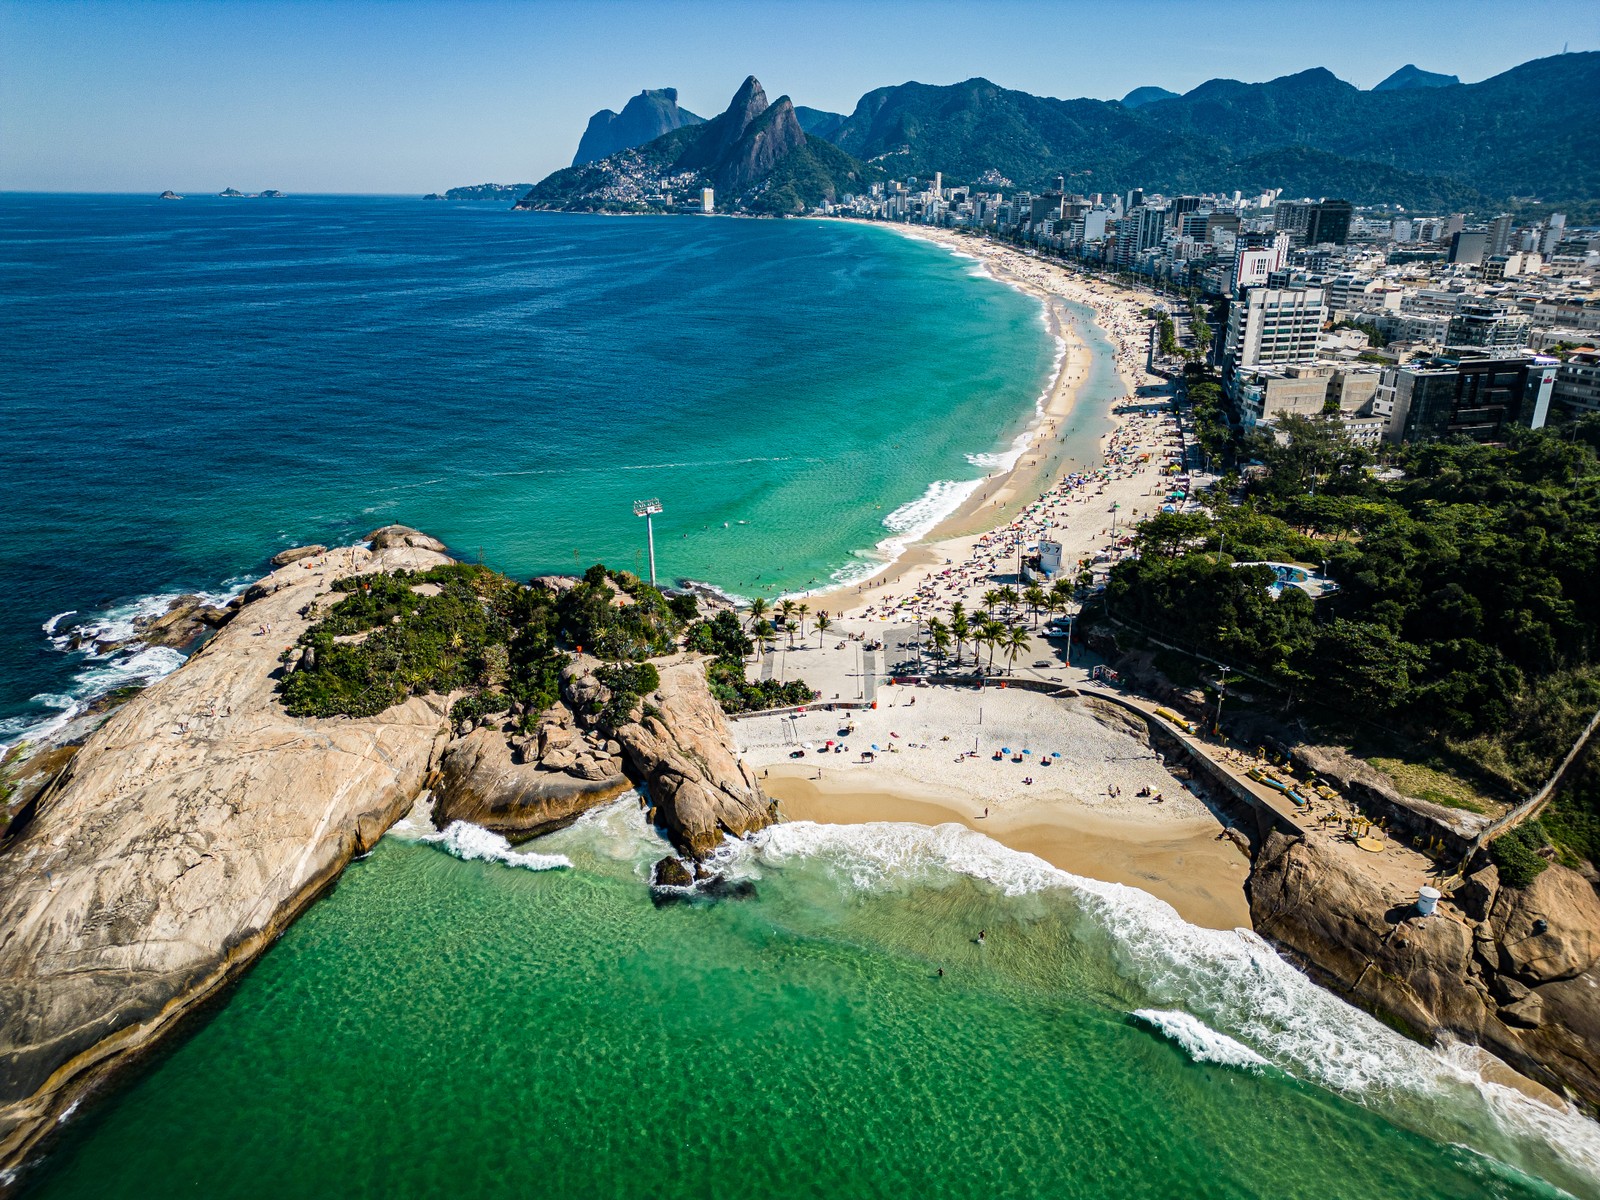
(1419, 139)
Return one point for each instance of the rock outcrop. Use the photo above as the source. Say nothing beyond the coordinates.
(768, 139)
(392, 537)
(683, 752)
(295, 553)
(525, 786)
(723, 132)
(181, 839)
(1513, 970)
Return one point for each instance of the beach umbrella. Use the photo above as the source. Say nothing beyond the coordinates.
(807, 746)
(1027, 751)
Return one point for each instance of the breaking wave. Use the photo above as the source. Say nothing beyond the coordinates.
(1221, 995)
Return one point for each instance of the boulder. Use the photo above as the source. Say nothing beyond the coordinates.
(1550, 929)
(1475, 896)
(185, 620)
(1527, 1013)
(480, 781)
(391, 536)
(684, 752)
(671, 871)
(558, 760)
(295, 553)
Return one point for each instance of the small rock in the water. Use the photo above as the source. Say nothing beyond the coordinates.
(671, 872)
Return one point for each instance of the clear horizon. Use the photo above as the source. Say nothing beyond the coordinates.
(348, 97)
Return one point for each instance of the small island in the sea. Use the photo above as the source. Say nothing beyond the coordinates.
(169, 194)
(483, 191)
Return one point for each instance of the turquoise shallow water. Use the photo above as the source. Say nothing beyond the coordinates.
(446, 1027)
(187, 387)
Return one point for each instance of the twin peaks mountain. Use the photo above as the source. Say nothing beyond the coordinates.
(1418, 139)
(755, 155)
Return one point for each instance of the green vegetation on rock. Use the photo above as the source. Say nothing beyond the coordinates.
(1517, 856)
(462, 627)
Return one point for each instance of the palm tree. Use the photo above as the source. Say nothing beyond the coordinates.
(758, 610)
(1034, 595)
(803, 611)
(1016, 641)
(786, 615)
(991, 598)
(823, 621)
(1008, 597)
(960, 628)
(764, 634)
(939, 635)
(992, 635)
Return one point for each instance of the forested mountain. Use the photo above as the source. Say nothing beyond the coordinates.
(1413, 76)
(1524, 133)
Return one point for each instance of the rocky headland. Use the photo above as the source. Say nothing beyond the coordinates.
(1512, 969)
(159, 859)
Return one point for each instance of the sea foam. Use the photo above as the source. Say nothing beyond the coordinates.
(468, 842)
(1229, 983)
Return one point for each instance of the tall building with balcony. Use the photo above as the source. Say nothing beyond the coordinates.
(1475, 396)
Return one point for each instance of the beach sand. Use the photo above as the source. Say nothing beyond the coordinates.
(1179, 861)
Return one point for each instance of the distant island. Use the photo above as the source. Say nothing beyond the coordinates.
(483, 191)
(169, 195)
(236, 194)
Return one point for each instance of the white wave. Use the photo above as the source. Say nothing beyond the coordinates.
(1199, 1040)
(1231, 981)
(474, 843)
(101, 672)
(50, 625)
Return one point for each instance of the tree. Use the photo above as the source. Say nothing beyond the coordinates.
(786, 615)
(765, 633)
(991, 600)
(1016, 642)
(758, 610)
(1035, 598)
(824, 621)
(802, 611)
(993, 635)
(960, 627)
(1009, 597)
(939, 635)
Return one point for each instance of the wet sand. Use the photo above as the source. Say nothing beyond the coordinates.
(1179, 861)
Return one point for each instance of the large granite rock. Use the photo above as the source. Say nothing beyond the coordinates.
(682, 750)
(481, 781)
(396, 537)
(1550, 929)
(1526, 992)
(183, 837)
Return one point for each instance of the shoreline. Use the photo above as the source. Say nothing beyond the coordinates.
(999, 499)
(1179, 861)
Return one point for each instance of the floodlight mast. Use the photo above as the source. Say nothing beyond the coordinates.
(648, 509)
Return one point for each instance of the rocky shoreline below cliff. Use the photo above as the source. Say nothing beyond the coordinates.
(159, 856)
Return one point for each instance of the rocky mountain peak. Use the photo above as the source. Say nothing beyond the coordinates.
(723, 132)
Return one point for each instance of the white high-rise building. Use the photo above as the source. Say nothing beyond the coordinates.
(1275, 325)
(708, 199)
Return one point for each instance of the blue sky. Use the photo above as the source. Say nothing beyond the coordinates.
(410, 96)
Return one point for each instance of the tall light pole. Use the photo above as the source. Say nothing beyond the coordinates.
(648, 509)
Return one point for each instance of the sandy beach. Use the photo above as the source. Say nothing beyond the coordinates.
(1080, 787)
(1072, 781)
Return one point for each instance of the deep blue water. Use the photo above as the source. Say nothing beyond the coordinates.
(186, 387)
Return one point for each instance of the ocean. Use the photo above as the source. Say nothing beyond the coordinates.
(190, 386)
